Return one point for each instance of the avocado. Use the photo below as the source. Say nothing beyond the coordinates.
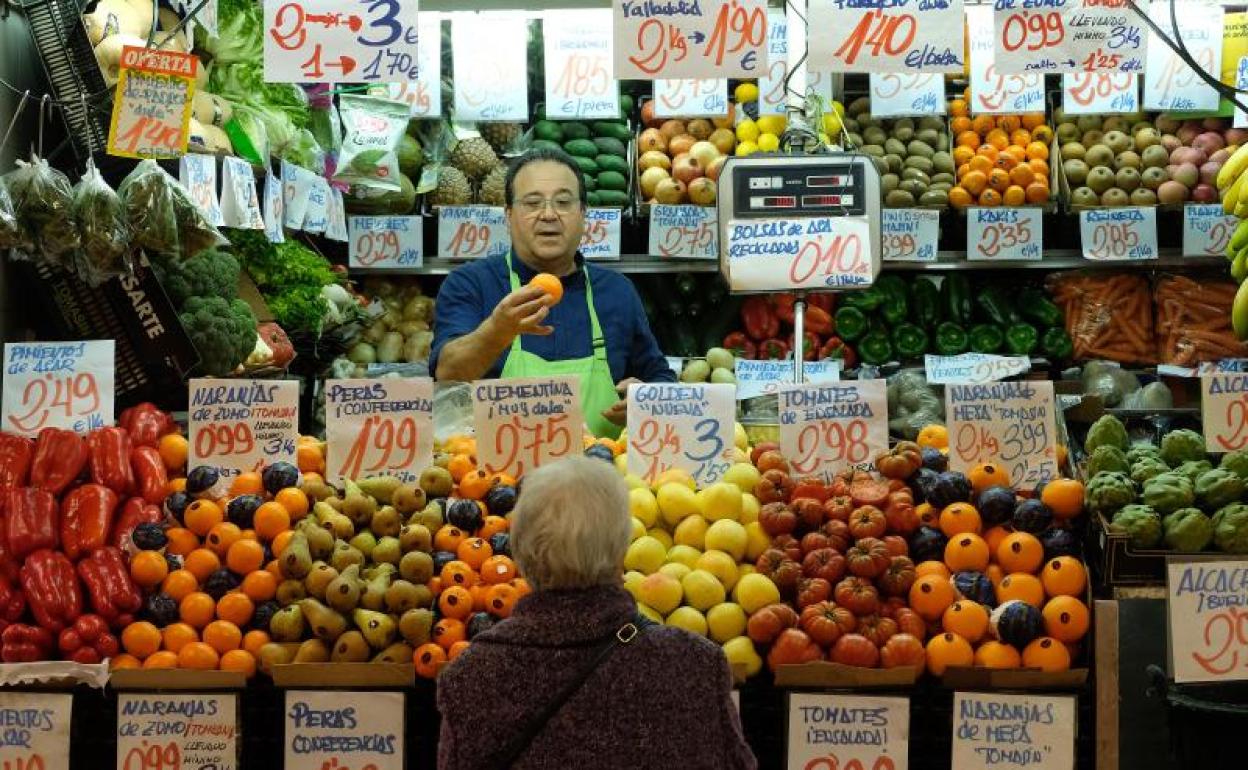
(612, 180)
(580, 147)
(548, 130)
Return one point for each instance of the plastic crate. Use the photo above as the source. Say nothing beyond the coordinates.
(1202, 719)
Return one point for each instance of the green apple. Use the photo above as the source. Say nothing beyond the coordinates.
(720, 358)
(750, 508)
(740, 439)
(728, 536)
(639, 530)
(662, 592)
(689, 619)
(691, 532)
(683, 554)
(723, 377)
(643, 505)
(702, 590)
(740, 652)
(744, 475)
(645, 554)
(725, 621)
(721, 565)
(721, 500)
(754, 592)
(696, 370)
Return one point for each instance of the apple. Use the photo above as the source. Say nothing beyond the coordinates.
(724, 140)
(654, 158)
(680, 144)
(670, 191)
(671, 128)
(651, 139)
(650, 179)
(686, 168)
(702, 192)
(647, 114)
(700, 128)
(660, 592)
(717, 166)
(704, 152)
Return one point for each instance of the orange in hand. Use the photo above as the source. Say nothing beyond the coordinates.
(549, 284)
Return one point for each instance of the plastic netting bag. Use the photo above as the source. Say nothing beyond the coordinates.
(10, 230)
(1108, 315)
(163, 218)
(1194, 321)
(42, 199)
(101, 219)
(372, 130)
(912, 404)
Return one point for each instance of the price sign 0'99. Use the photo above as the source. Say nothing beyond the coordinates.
(1011, 424)
(66, 385)
(165, 731)
(321, 41)
(1068, 36)
(689, 427)
(524, 423)
(1207, 608)
(827, 428)
(242, 425)
(714, 38)
(378, 427)
(886, 37)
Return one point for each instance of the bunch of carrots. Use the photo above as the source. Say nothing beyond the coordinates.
(1194, 321)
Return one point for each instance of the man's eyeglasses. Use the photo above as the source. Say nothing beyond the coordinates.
(533, 205)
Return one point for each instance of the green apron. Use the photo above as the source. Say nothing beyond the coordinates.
(597, 386)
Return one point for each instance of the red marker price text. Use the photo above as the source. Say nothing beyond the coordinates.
(384, 46)
(738, 32)
(67, 396)
(153, 756)
(831, 762)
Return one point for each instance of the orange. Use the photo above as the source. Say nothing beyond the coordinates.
(294, 501)
(1064, 576)
(271, 520)
(1022, 175)
(1033, 120)
(963, 170)
(1042, 134)
(992, 654)
(959, 125)
(948, 649)
(222, 536)
(254, 640)
(428, 659)
(178, 635)
(201, 563)
(997, 138)
(958, 108)
(456, 650)
(931, 567)
(274, 568)
(223, 636)
(1014, 196)
(241, 661)
(966, 552)
(455, 602)
(522, 587)
(1022, 586)
(498, 569)
(1009, 123)
(967, 619)
(1064, 497)
(244, 557)
(281, 541)
(124, 661)
(179, 583)
(448, 538)
(1020, 552)
(162, 659)
(201, 516)
(1006, 160)
(181, 541)
(140, 639)
(990, 198)
(1066, 618)
(1038, 151)
(1020, 138)
(994, 536)
(309, 458)
(960, 518)
(549, 284)
(260, 586)
(492, 526)
(248, 534)
(959, 198)
(461, 465)
(962, 155)
(458, 573)
(175, 485)
(982, 124)
(968, 139)
(500, 600)
(173, 450)
(999, 179)
(197, 609)
(474, 551)
(148, 568)
(199, 656)
(931, 595)
(448, 631)
(1046, 654)
(1037, 192)
(478, 597)
(1040, 168)
(235, 607)
(975, 182)
(247, 484)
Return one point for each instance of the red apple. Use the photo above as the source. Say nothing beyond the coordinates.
(647, 114)
(671, 129)
(713, 170)
(686, 168)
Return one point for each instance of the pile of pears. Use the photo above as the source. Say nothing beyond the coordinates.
(355, 573)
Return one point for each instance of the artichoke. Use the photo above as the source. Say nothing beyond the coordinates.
(1141, 523)
(1187, 529)
(1179, 446)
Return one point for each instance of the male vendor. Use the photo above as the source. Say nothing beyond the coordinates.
(489, 322)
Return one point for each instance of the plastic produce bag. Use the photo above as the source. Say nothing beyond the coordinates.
(372, 129)
(1108, 315)
(42, 199)
(102, 226)
(163, 218)
(912, 404)
(1194, 321)
(1109, 381)
(10, 230)
(452, 410)
(1154, 395)
(305, 152)
(248, 135)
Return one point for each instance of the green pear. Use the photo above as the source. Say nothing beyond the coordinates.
(364, 542)
(373, 597)
(275, 654)
(312, 651)
(296, 559)
(325, 623)
(358, 506)
(416, 626)
(343, 593)
(386, 522)
(320, 540)
(415, 537)
(334, 521)
(430, 516)
(351, 648)
(290, 591)
(287, 624)
(402, 596)
(436, 481)
(416, 567)
(319, 579)
(378, 627)
(345, 555)
(399, 652)
(408, 499)
(380, 488)
(388, 551)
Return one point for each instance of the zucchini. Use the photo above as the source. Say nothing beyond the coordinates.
(609, 146)
(626, 104)
(548, 130)
(588, 166)
(546, 144)
(580, 147)
(591, 183)
(612, 163)
(612, 180)
(593, 198)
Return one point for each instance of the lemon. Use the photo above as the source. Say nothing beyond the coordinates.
(837, 107)
(746, 148)
(832, 124)
(745, 93)
(768, 142)
(675, 475)
(747, 131)
(772, 124)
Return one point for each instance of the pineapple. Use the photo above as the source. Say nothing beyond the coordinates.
(474, 157)
(453, 188)
(492, 191)
(500, 136)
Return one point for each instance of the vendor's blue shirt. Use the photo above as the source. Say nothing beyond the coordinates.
(471, 292)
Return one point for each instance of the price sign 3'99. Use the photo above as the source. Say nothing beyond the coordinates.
(1008, 423)
(328, 42)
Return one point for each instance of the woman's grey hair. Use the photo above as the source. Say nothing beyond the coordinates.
(571, 525)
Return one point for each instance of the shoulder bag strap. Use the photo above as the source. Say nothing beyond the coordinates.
(518, 745)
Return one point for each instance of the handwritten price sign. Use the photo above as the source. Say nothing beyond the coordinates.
(344, 730)
(840, 732)
(1119, 234)
(472, 232)
(240, 205)
(580, 69)
(897, 37)
(973, 368)
(1169, 84)
(686, 232)
(824, 253)
(602, 234)
(170, 732)
(378, 427)
(324, 41)
(996, 730)
(1240, 118)
(1001, 234)
(242, 425)
(1206, 230)
(524, 423)
(152, 110)
(825, 429)
(713, 38)
(771, 96)
(491, 81)
(993, 91)
(691, 98)
(1207, 605)
(1224, 410)
(1009, 423)
(37, 732)
(65, 385)
(763, 378)
(198, 174)
(387, 243)
(424, 93)
(909, 235)
(1100, 93)
(896, 95)
(680, 426)
(1071, 36)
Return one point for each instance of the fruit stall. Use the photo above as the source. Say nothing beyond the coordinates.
(974, 497)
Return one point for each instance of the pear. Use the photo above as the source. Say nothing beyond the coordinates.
(415, 537)
(416, 626)
(380, 488)
(275, 654)
(312, 651)
(343, 593)
(373, 597)
(296, 559)
(344, 556)
(319, 579)
(431, 517)
(316, 490)
(290, 591)
(386, 522)
(408, 499)
(378, 627)
(333, 521)
(364, 542)
(402, 596)
(320, 540)
(287, 624)
(399, 652)
(351, 648)
(358, 506)
(388, 551)
(436, 481)
(325, 623)
(416, 567)
(335, 503)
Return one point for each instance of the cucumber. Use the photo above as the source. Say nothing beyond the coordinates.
(582, 147)
(611, 198)
(612, 130)
(612, 163)
(588, 166)
(594, 198)
(612, 180)
(575, 130)
(546, 144)
(609, 146)
(548, 130)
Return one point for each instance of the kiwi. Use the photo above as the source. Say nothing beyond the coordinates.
(921, 163)
(917, 175)
(914, 187)
(934, 198)
(889, 182)
(920, 148)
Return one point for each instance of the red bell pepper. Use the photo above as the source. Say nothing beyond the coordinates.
(87, 518)
(31, 521)
(824, 300)
(760, 322)
(110, 459)
(12, 601)
(783, 304)
(9, 564)
(60, 456)
(134, 512)
(88, 640)
(773, 350)
(15, 455)
(51, 588)
(146, 423)
(113, 593)
(818, 321)
(835, 347)
(21, 643)
(810, 345)
(150, 476)
(740, 345)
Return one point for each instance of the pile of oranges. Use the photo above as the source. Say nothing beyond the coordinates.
(1001, 160)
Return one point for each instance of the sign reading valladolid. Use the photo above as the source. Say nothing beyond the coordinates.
(658, 39)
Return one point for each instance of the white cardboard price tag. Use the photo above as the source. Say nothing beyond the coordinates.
(1071, 36)
(274, 209)
(199, 730)
(973, 368)
(314, 41)
(771, 96)
(524, 423)
(909, 235)
(681, 426)
(688, 232)
(1206, 230)
(240, 206)
(1004, 234)
(691, 98)
(344, 729)
(378, 427)
(1100, 93)
(387, 243)
(67, 385)
(42, 740)
(602, 234)
(316, 215)
(825, 429)
(1224, 410)
(897, 95)
(296, 184)
(336, 224)
(580, 67)
(823, 253)
(837, 730)
(992, 91)
(237, 426)
(1205, 602)
(711, 38)
(1008, 423)
(883, 37)
(1241, 82)
(761, 378)
(491, 81)
(472, 232)
(676, 364)
(992, 731)
(424, 94)
(198, 174)
(1169, 84)
(1119, 234)
(152, 104)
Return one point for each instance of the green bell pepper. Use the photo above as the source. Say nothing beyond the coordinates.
(851, 323)
(1036, 307)
(950, 339)
(924, 303)
(985, 338)
(866, 300)
(895, 305)
(1056, 344)
(909, 340)
(955, 295)
(994, 307)
(1022, 339)
(875, 348)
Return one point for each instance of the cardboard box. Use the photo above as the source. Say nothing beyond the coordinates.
(379, 676)
(978, 678)
(176, 679)
(825, 674)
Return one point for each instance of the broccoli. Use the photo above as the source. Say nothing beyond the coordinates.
(1180, 446)
(210, 273)
(222, 331)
